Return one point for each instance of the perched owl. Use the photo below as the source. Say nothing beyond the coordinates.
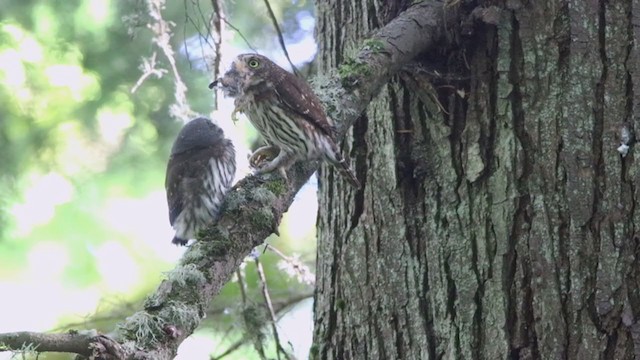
(200, 171)
(286, 112)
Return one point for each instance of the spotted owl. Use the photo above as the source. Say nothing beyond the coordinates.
(286, 112)
(199, 173)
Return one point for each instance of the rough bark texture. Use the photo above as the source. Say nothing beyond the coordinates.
(497, 217)
(252, 209)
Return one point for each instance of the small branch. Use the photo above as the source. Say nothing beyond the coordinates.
(414, 31)
(294, 267)
(279, 308)
(272, 313)
(252, 324)
(148, 68)
(280, 36)
(244, 38)
(216, 34)
(161, 30)
(243, 289)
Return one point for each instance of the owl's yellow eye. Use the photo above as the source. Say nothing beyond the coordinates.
(253, 63)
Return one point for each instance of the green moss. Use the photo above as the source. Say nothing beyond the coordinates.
(219, 247)
(374, 45)
(212, 233)
(264, 196)
(234, 201)
(341, 304)
(352, 69)
(262, 218)
(314, 351)
(214, 241)
(277, 186)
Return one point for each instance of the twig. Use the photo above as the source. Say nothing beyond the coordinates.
(161, 30)
(246, 41)
(216, 23)
(243, 288)
(294, 267)
(249, 319)
(280, 36)
(272, 313)
(148, 68)
(88, 343)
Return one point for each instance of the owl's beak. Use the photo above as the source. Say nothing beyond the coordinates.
(214, 84)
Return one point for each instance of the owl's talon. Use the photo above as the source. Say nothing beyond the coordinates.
(258, 161)
(234, 115)
(263, 156)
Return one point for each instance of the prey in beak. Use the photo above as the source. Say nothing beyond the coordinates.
(230, 83)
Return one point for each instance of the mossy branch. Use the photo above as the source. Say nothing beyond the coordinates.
(255, 207)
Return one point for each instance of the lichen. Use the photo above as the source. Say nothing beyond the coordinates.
(183, 316)
(193, 255)
(143, 328)
(188, 274)
(332, 96)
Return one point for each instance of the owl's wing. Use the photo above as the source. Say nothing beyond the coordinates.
(172, 185)
(297, 95)
(182, 172)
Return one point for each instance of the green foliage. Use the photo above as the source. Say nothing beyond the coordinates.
(72, 130)
(277, 186)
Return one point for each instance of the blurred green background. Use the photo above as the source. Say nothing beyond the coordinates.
(84, 231)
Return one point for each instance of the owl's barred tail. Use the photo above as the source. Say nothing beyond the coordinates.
(343, 168)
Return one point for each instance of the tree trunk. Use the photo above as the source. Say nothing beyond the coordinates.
(498, 210)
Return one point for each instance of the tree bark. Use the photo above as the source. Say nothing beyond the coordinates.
(498, 209)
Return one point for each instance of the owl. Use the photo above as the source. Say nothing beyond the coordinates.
(286, 112)
(199, 173)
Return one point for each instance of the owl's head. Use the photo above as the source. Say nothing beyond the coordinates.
(198, 134)
(248, 71)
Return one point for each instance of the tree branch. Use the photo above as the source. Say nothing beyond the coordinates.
(416, 30)
(255, 207)
(83, 343)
